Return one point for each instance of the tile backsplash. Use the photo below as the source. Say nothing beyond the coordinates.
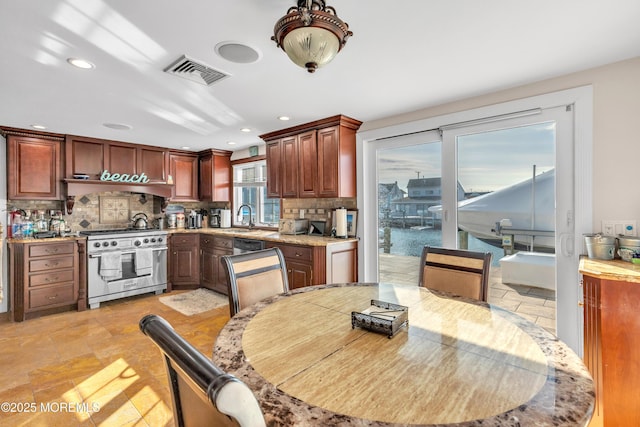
(316, 209)
(107, 210)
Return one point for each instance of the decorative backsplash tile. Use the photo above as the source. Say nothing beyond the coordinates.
(114, 210)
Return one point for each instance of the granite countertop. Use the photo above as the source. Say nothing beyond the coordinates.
(562, 393)
(615, 269)
(267, 235)
(13, 240)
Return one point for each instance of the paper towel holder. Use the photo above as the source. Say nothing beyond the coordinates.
(352, 223)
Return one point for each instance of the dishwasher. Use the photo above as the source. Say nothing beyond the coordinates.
(242, 245)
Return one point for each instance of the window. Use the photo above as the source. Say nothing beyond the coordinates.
(250, 188)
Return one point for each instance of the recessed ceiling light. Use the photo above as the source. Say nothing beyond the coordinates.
(245, 130)
(117, 126)
(231, 143)
(237, 52)
(40, 127)
(284, 118)
(80, 63)
(186, 148)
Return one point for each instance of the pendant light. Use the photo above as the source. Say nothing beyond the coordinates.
(311, 34)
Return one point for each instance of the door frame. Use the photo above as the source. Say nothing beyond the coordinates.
(569, 315)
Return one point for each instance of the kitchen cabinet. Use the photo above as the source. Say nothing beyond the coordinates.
(215, 176)
(184, 261)
(92, 156)
(612, 349)
(45, 277)
(184, 170)
(34, 167)
(317, 265)
(317, 159)
(274, 169)
(212, 248)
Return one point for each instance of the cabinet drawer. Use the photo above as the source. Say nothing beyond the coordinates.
(51, 249)
(185, 239)
(51, 296)
(297, 252)
(50, 278)
(223, 243)
(50, 263)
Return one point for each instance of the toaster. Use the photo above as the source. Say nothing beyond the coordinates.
(293, 226)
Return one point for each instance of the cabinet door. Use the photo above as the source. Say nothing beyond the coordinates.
(122, 159)
(299, 273)
(207, 268)
(34, 168)
(184, 259)
(215, 178)
(85, 156)
(308, 165)
(274, 169)
(184, 169)
(185, 265)
(289, 167)
(154, 163)
(336, 162)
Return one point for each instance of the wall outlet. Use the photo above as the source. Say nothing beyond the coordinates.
(619, 228)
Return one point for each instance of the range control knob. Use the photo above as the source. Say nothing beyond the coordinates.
(105, 244)
(153, 240)
(159, 239)
(137, 243)
(114, 243)
(96, 245)
(146, 240)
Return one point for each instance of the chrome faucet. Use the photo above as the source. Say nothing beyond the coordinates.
(251, 224)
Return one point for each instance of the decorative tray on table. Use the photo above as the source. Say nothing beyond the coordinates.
(382, 317)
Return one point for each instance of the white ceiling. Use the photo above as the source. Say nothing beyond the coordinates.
(404, 55)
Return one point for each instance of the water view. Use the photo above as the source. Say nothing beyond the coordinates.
(409, 242)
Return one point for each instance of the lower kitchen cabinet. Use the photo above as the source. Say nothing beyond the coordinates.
(612, 349)
(317, 265)
(212, 248)
(184, 261)
(46, 277)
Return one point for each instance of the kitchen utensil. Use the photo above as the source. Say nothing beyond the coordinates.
(140, 221)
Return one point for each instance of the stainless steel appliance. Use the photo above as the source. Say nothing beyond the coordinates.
(214, 218)
(123, 263)
(242, 245)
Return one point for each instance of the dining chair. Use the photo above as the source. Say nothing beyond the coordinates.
(457, 271)
(254, 276)
(201, 393)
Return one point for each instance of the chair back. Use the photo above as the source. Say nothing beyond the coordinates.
(457, 271)
(254, 276)
(202, 394)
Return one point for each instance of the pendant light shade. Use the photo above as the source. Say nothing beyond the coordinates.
(311, 34)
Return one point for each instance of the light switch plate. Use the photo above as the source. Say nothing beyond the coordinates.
(619, 227)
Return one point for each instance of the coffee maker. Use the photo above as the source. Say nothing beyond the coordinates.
(214, 218)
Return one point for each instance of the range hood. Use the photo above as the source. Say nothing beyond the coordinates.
(80, 187)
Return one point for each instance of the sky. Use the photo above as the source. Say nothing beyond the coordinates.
(486, 161)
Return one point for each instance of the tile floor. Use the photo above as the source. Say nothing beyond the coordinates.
(95, 368)
(51, 366)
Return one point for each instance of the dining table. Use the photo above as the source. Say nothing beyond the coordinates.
(456, 361)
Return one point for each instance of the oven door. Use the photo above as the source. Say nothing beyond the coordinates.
(127, 281)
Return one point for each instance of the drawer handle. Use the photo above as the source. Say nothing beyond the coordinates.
(298, 254)
(53, 297)
(53, 264)
(52, 250)
(52, 279)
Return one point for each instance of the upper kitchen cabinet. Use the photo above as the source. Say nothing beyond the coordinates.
(215, 175)
(34, 166)
(183, 168)
(317, 159)
(92, 156)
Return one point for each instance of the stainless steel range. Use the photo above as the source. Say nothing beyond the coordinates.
(123, 263)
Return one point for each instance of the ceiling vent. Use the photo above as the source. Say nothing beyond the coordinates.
(193, 70)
